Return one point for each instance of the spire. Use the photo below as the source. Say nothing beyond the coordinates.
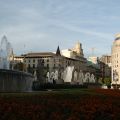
(58, 51)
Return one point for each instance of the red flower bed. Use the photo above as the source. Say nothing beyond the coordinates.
(61, 106)
(109, 92)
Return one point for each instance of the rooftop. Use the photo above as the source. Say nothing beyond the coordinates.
(40, 54)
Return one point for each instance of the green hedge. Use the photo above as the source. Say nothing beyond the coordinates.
(38, 86)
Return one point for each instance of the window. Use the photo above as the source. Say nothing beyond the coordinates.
(29, 65)
(33, 65)
(47, 60)
(29, 61)
(47, 65)
(42, 61)
(33, 60)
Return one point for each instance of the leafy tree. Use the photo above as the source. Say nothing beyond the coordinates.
(41, 71)
(107, 82)
(30, 70)
(19, 66)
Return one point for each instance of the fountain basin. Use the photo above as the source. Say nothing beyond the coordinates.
(15, 81)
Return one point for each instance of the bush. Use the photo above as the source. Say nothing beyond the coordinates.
(38, 86)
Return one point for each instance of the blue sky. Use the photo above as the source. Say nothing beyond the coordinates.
(42, 25)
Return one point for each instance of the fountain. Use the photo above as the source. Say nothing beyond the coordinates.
(11, 80)
(68, 73)
(72, 76)
(5, 53)
(80, 77)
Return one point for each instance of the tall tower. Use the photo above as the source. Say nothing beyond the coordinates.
(78, 49)
(116, 61)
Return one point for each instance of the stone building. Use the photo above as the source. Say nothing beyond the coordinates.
(60, 63)
(18, 59)
(52, 60)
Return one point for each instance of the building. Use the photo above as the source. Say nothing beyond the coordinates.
(75, 53)
(78, 49)
(51, 60)
(60, 62)
(93, 59)
(106, 61)
(18, 59)
(115, 56)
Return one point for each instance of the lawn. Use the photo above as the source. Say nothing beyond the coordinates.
(76, 104)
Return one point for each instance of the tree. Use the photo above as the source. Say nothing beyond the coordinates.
(107, 81)
(19, 66)
(30, 70)
(41, 71)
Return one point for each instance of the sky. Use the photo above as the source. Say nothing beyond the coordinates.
(42, 25)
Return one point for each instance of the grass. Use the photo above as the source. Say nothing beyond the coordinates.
(53, 92)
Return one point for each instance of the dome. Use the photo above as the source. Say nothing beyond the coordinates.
(117, 36)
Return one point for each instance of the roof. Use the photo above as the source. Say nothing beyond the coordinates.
(40, 54)
(19, 56)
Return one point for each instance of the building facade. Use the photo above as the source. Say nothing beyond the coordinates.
(115, 56)
(60, 62)
(106, 62)
(106, 59)
(75, 52)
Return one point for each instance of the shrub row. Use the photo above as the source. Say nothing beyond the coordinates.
(38, 86)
